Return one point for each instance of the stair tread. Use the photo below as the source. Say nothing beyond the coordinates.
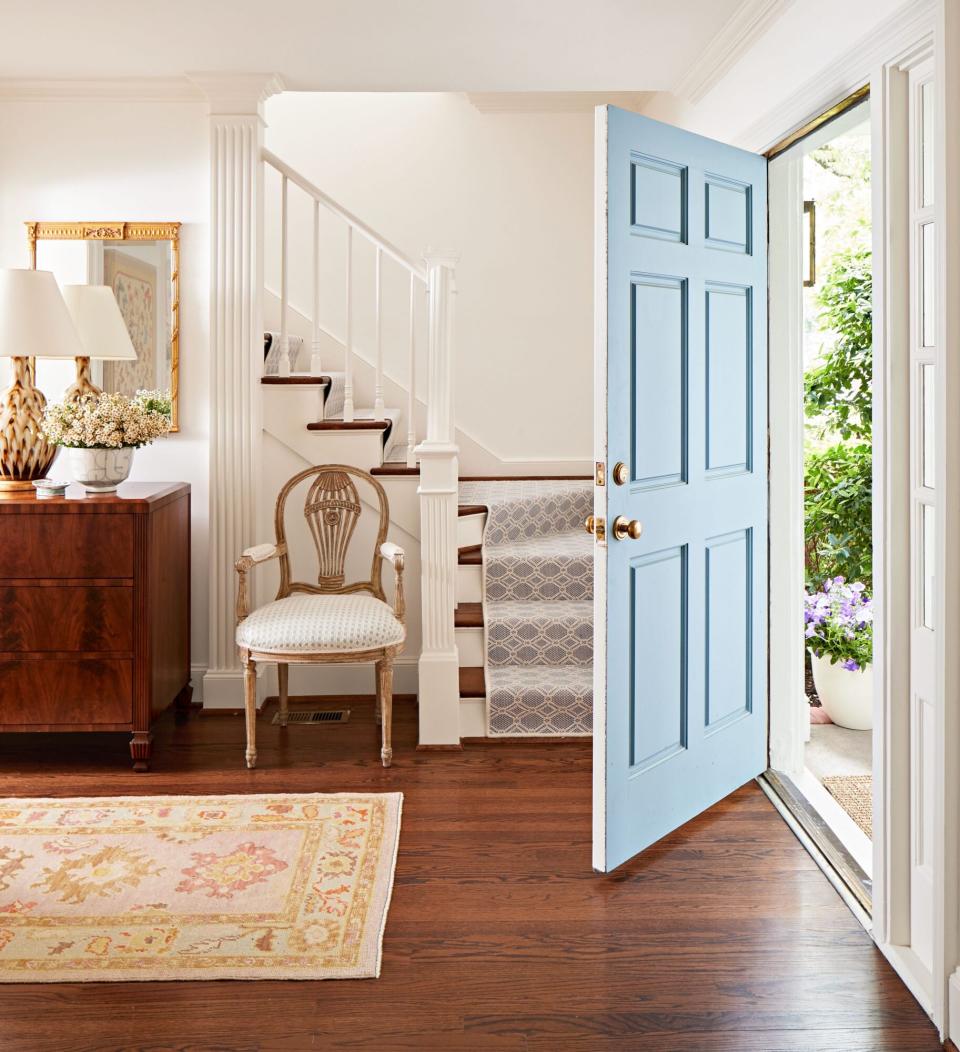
(471, 509)
(297, 380)
(349, 425)
(471, 555)
(390, 468)
(468, 615)
(472, 683)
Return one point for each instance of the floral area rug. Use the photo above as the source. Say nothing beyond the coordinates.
(177, 887)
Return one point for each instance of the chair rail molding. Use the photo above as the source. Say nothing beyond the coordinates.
(235, 104)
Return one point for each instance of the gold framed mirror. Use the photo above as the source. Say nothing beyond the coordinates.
(141, 263)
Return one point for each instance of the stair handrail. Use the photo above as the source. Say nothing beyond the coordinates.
(383, 248)
(348, 217)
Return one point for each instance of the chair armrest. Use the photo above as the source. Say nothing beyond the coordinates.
(393, 553)
(259, 553)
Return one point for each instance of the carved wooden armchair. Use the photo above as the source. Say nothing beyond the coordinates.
(327, 622)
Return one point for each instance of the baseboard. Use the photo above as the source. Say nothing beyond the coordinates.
(953, 1011)
(224, 690)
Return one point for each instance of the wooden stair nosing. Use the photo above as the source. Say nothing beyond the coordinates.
(394, 469)
(471, 555)
(468, 615)
(471, 509)
(472, 683)
(349, 425)
(296, 380)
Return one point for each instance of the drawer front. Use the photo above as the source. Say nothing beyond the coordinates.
(66, 618)
(69, 545)
(65, 691)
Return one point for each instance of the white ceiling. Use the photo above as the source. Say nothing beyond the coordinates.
(363, 45)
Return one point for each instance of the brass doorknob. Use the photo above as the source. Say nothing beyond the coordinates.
(624, 528)
(595, 526)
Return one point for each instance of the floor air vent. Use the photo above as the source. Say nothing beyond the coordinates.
(313, 716)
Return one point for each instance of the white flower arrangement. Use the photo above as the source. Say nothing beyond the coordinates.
(108, 421)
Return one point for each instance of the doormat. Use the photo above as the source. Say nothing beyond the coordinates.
(203, 887)
(854, 793)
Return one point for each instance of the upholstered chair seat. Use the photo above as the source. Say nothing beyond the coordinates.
(327, 623)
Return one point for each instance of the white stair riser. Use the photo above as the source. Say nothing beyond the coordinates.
(473, 718)
(470, 530)
(470, 647)
(302, 403)
(469, 584)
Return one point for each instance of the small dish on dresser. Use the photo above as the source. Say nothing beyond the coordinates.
(49, 488)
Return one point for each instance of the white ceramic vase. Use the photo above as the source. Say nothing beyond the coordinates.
(846, 696)
(101, 470)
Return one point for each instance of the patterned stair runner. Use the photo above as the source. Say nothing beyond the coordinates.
(538, 606)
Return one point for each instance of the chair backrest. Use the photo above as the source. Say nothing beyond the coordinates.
(332, 510)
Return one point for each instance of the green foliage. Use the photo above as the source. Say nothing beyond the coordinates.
(837, 391)
(838, 513)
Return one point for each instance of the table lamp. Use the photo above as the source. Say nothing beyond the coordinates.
(102, 331)
(34, 323)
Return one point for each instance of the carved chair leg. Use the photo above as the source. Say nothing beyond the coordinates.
(250, 708)
(378, 707)
(385, 683)
(283, 680)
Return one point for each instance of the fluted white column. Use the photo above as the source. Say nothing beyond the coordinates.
(439, 666)
(236, 354)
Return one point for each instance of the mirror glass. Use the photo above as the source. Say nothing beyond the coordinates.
(143, 273)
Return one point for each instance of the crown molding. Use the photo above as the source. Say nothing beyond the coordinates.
(895, 40)
(742, 30)
(126, 89)
(555, 101)
(236, 94)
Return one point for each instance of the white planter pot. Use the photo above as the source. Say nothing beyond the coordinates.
(101, 470)
(846, 696)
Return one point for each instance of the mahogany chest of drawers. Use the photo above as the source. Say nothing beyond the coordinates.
(94, 610)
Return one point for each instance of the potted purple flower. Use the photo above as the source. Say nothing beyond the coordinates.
(839, 633)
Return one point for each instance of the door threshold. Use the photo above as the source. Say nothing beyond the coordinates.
(829, 846)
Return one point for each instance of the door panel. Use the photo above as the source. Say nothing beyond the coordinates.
(680, 680)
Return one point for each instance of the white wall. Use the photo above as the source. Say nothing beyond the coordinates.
(513, 194)
(112, 160)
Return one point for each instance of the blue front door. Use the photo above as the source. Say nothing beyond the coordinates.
(680, 676)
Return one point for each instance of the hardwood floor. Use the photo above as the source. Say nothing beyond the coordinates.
(724, 936)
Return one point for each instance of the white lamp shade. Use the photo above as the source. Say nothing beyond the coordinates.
(34, 320)
(103, 332)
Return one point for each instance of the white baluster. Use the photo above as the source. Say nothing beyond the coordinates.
(316, 365)
(439, 710)
(348, 347)
(284, 355)
(412, 378)
(378, 297)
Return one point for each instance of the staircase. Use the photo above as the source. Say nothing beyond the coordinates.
(506, 569)
(524, 615)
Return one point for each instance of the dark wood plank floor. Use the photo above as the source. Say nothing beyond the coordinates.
(724, 936)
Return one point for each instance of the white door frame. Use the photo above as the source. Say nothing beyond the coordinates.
(923, 29)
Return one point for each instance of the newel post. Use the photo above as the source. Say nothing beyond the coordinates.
(439, 668)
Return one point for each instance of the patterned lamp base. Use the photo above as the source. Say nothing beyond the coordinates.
(25, 454)
(83, 385)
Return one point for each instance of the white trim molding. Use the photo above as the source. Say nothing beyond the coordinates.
(125, 89)
(236, 352)
(556, 101)
(904, 29)
(946, 731)
(742, 30)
